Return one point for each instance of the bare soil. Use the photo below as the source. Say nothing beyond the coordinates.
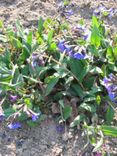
(44, 140)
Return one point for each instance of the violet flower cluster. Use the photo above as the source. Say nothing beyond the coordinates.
(102, 10)
(110, 84)
(36, 60)
(80, 31)
(64, 47)
(65, 10)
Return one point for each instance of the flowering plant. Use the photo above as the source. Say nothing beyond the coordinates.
(56, 64)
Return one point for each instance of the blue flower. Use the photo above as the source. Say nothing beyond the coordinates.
(68, 13)
(35, 116)
(111, 86)
(79, 56)
(14, 125)
(60, 128)
(13, 98)
(63, 47)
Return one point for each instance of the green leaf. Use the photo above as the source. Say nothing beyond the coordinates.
(109, 115)
(96, 70)
(61, 102)
(50, 36)
(95, 22)
(28, 102)
(30, 38)
(95, 36)
(40, 25)
(1, 24)
(17, 44)
(22, 117)
(98, 145)
(67, 111)
(20, 30)
(51, 81)
(76, 90)
(93, 50)
(110, 54)
(109, 130)
(78, 68)
(3, 38)
(77, 120)
(89, 99)
(9, 112)
(89, 107)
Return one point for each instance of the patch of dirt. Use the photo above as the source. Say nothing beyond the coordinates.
(29, 11)
(44, 140)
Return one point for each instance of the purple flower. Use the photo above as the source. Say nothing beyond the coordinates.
(36, 60)
(111, 86)
(1, 116)
(13, 98)
(63, 47)
(106, 80)
(60, 128)
(79, 56)
(14, 125)
(97, 11)
(68, 13)
(35, 116)
(97, 154)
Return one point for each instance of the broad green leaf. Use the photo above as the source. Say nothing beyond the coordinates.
(50, 36)
(89, 107)
(22, 117)
(109, 115)
(51, 81)
(110, 54)
(77, 120)
(96, 70)
(93, 50)
(95, 36)
(95, 22)
(89, 99)
(9, 112)
(20, 30)
(30, 38)
(67, 111)
(3, 38)
(76, 90)
(61, 102)
(40, 25)
(109, 130)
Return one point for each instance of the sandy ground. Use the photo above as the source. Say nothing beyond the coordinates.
(44, 140)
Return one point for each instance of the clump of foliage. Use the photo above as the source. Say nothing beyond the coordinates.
(56, 62)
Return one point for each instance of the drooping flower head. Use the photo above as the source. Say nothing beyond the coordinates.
(64, 47)
(14, 125)
(35, 116)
